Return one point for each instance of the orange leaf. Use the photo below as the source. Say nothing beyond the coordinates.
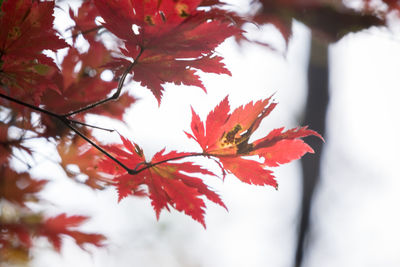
(226, 137)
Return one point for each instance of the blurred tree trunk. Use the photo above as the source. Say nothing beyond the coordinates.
(315, 118)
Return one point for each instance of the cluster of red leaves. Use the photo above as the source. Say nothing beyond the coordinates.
(26, 30)
(30, 76)
(34, 225)
(18, 229)
(167, 184)
(173, 39)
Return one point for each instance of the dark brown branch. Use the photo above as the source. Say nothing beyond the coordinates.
(91, 126)
(41, 110)
(97, 147)
(63, 118)
(68, 122)
(115, 95)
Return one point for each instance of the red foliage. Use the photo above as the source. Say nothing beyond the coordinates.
(167, 184)
(21, 230)
(59, 225)
(26, 30)
(226, 136)
(158, 42)
(174, 37)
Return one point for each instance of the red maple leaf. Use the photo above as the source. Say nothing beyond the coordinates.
(80, 84)
(167, 184)
(53, 229)
(78, 152)
(18, 187)
(19, 231)
(27, 30)
(85, 21)
(173, 39)
(226, 136)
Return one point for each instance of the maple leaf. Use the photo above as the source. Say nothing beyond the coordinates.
(27, 30)
(173, 39)
(85, 21)
(226, 136)
(53, 228)
(79, 153)
(19, 231)
(19, 187)
(25, 80)
(16, 234)
(80, 81)
(167, 184)
(18, 227)
(80, 84)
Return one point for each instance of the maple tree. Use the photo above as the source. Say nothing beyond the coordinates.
(158, 42)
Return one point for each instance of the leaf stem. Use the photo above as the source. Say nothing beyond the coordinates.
(91, 126)
(150, 165)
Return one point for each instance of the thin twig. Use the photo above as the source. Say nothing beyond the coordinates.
(29, 105)
(130, 171)
(91, 126)
(115, 95)
(68, 122)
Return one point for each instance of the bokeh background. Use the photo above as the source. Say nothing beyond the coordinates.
(355, 216)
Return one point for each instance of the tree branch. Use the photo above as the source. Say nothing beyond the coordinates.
(116, 95)
(68, 123)
(87, 139)
(91, 126)
(41, 110)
